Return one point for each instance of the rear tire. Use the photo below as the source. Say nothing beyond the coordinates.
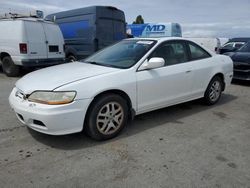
(106, 117)
(9, 68)
(71, 58)
(213, 91)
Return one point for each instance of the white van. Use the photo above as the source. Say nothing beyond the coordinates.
(29, 42)
(213, 44)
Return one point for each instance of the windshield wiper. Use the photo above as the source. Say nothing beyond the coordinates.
(92, 62)
(101, 64)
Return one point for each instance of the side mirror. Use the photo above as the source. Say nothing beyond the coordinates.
(153, 63)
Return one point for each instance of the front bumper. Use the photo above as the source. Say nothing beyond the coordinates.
(241, 71)
(50, 119)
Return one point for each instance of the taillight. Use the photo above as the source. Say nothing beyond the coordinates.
(23, 48)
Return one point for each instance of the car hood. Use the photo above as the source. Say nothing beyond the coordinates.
(243, 57)
(56, 76)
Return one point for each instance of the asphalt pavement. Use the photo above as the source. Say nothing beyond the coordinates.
(188, 145)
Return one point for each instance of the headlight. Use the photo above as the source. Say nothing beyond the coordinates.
(52, 97)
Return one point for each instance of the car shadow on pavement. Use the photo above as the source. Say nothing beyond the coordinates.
(23, 72)
(141, 123)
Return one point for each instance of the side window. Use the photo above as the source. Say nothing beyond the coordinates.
(229, 45)
(238, 45)
(172, 52)
(197, 52)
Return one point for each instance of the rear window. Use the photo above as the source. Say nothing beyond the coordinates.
(53, 48)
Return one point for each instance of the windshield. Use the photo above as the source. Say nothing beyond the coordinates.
(245, 48)
(123, 54)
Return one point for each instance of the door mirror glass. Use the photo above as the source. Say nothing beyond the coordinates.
(153, 63)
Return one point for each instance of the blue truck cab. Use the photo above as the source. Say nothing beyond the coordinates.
(87, 30)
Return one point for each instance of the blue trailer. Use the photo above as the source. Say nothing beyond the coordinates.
(154, 30)
(87, 30)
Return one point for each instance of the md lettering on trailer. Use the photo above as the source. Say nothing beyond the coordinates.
(156, 28)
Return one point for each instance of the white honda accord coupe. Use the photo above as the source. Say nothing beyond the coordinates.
(99, 94)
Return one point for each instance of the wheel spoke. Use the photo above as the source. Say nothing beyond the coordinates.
(118, 110)
(110, 125)
(104, 124)
(117, 117)
(211, 95)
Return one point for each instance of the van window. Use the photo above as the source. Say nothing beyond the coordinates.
(172, 52)
(197, 52)
(75, 29)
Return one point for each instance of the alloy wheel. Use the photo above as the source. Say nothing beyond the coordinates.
(110, 118)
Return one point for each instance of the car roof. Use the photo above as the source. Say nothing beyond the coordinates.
(160, 39)
(163, 39)
(243, 39)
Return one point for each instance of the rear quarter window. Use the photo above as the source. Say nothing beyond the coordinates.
(196, 52)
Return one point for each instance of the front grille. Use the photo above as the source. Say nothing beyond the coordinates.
(241, 66)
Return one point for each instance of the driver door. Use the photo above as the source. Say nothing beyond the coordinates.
(166, 85)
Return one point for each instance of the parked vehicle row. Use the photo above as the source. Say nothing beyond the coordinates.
(134, 76)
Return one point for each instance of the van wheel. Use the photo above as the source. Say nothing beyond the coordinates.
(71, 58)
(9, 68)
(106, 117)
(213, 91)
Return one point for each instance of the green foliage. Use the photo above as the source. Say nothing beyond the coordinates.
(139, 20)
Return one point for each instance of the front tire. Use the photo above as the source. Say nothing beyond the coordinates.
(9, 68)
(213, 91)
(106, 117)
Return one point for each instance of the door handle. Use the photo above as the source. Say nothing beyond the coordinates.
(188, 71)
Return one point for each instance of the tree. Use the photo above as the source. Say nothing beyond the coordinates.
(139, 20)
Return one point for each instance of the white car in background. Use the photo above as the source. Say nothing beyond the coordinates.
(131, 77)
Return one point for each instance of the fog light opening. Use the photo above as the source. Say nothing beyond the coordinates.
(37, 122)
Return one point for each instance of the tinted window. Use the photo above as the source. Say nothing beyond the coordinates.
(228, 45)
(171, 52)
(245, 48)
(197, 52)
(238, 45)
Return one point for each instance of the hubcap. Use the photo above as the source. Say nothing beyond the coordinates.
(215, 91)
(110, 118)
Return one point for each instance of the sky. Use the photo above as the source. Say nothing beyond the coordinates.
(198, 18)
